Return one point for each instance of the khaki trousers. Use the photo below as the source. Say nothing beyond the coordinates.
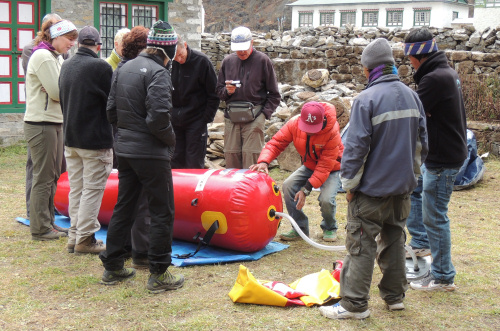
(243, 142)
(375, 229)
(88, 172)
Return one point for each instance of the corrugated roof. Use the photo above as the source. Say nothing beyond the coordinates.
(348, 2)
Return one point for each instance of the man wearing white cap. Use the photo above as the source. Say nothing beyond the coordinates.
(247, 83)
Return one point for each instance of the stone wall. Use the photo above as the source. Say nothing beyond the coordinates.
(339, 50)
(186, 18)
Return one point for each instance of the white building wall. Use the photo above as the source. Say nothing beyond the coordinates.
(486, 17)
(441, 13)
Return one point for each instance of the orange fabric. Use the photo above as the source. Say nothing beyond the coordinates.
(326, 143)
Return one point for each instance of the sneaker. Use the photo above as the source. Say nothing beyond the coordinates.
(158, 283)
(52, 234)
(291, 235)
(330, 235)
(419, 252)
(140, 263)
(60, 229)
(338, 312)
(114, 277)
(429, 283)
(89, 246)
(395, 306)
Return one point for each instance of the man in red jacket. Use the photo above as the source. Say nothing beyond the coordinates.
(315, 134)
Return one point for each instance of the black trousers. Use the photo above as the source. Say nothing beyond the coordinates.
(155, 176)
(190, 146)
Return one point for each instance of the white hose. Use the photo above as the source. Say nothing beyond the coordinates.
(306, 238)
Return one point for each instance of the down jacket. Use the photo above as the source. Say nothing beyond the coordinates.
(321, 152)
(139, 104)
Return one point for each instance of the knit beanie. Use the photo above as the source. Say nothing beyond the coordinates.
(378, 52)
(162, 36)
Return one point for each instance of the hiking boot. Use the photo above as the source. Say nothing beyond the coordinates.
(60, 229)
(429, 283)
(140, 263)
(338, 312)
(114, 277)
(329, 235)
(158, 283)
(291, 235)
(52, 234)
(395, 306)
(89, 246)
(419, 252)
(70, 248)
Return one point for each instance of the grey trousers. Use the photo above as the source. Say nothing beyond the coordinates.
(46, 145)
(367, 218)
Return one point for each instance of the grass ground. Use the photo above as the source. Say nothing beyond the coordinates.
(42, 287)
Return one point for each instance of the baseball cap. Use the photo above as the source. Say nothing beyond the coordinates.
(311, 117)
(241, 38)
(89, 36)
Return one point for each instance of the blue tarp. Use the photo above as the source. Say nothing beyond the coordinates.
(207, 255)
(473, 168)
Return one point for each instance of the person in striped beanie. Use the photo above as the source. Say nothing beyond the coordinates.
(162, 36)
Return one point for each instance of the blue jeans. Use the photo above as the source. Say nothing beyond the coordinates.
(436, 195)
(327, 202)
(415, 223)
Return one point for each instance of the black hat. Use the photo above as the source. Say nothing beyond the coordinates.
(89, 36)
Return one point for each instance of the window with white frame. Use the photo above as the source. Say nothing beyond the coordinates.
(492, 3)
(306, 19)
(348, 18)
(327, 18)
(370, 18)
(394, 18)
(422, 18)
(115, 16)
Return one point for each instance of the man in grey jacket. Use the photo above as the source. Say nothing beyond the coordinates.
(385, 145)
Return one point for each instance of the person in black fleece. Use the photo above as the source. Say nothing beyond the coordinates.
(439, 89)
(85, 82)
(194, 105)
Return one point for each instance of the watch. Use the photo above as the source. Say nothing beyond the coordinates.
(306, 191)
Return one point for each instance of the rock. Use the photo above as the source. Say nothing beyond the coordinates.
(305, 95)
(358, 42)
(289, 159)
(315, 78)
(460, 36)
(475, 38)
(272, 129)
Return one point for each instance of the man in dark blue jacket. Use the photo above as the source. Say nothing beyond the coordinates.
(440, 91)
(140, 103)
(194, 106)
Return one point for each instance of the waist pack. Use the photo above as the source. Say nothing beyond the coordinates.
(242, 111)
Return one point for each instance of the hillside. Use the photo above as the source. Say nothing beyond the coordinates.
(257, 15)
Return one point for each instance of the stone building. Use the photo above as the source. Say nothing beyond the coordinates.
(20, 20)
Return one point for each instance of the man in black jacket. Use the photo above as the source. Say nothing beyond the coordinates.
(195, 104)
(439, 89)
(84, 82)
(140, 103)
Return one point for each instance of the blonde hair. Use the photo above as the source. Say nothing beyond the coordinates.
(120, 34)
